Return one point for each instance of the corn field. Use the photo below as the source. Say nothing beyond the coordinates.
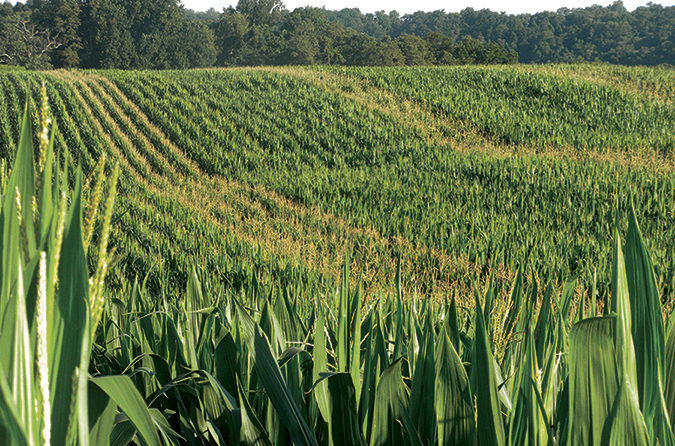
(337, 256)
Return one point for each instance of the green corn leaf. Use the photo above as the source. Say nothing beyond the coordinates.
(670, 371)
(626, 425)
(452, 326)
(101, 416)
(11, 426)
(121, 390)
(69, 319)
(422, 396)
(343, 321)
(343, 423)
(391, 401)
(252, 431)
(454, 402)
(123, 433)
(320, 364)
(490, 422)
(269, 374)
(526, 423)
(22, 368)
(355, 358)
(620, 305)
(227, 363)
(593, 379)
(15, 241)
(648, 332)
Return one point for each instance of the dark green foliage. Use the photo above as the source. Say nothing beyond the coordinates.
(611, 34)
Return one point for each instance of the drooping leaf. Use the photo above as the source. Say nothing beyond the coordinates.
(593, 379)
(121, 390)
(270, 377)
(101, 416)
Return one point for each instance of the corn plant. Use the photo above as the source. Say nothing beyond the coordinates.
(49, 303)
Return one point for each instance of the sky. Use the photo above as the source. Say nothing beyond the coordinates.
(402, 6)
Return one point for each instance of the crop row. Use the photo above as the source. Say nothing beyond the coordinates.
(329, 152)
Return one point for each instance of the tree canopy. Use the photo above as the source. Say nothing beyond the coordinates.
(162, 34)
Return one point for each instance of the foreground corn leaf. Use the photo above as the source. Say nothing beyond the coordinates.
(621, 306)
(69, 322)
(101, 415)
(270, 377)
(490, 424)
(648, 334)
(121, 390)
(343, 423)
(670, 371)
(391, 405)
(527, 426)
(593, 379)
(454, 402)
(320, 364)
(252, 431)
(21, 182)
(422, 392)
(626, 424)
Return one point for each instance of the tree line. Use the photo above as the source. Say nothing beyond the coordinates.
(162, 34)
(644, 36)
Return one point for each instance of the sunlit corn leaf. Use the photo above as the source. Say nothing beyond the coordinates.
(343, 321)
(121, 390)
(490, 424)
(69, 319)
(391, 401)
(526, 423)
(15, 242)
(12, 431)
(620, 305)
(252, 431)
(320, 364)
(454, 401)
(626, 425)
(422, 392)
(593, 379)
(648, 333)
(269, 374)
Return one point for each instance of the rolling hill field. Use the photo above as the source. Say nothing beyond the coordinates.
(451, 239)
(285, 170)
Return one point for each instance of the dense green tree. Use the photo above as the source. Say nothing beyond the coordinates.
(23, 43)
(390, 53)
(144, 34)
(613, 34)
(108, 42)
(301, 32)
(62, 18)
(414, 49)
(262, 12)
(162, 34)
